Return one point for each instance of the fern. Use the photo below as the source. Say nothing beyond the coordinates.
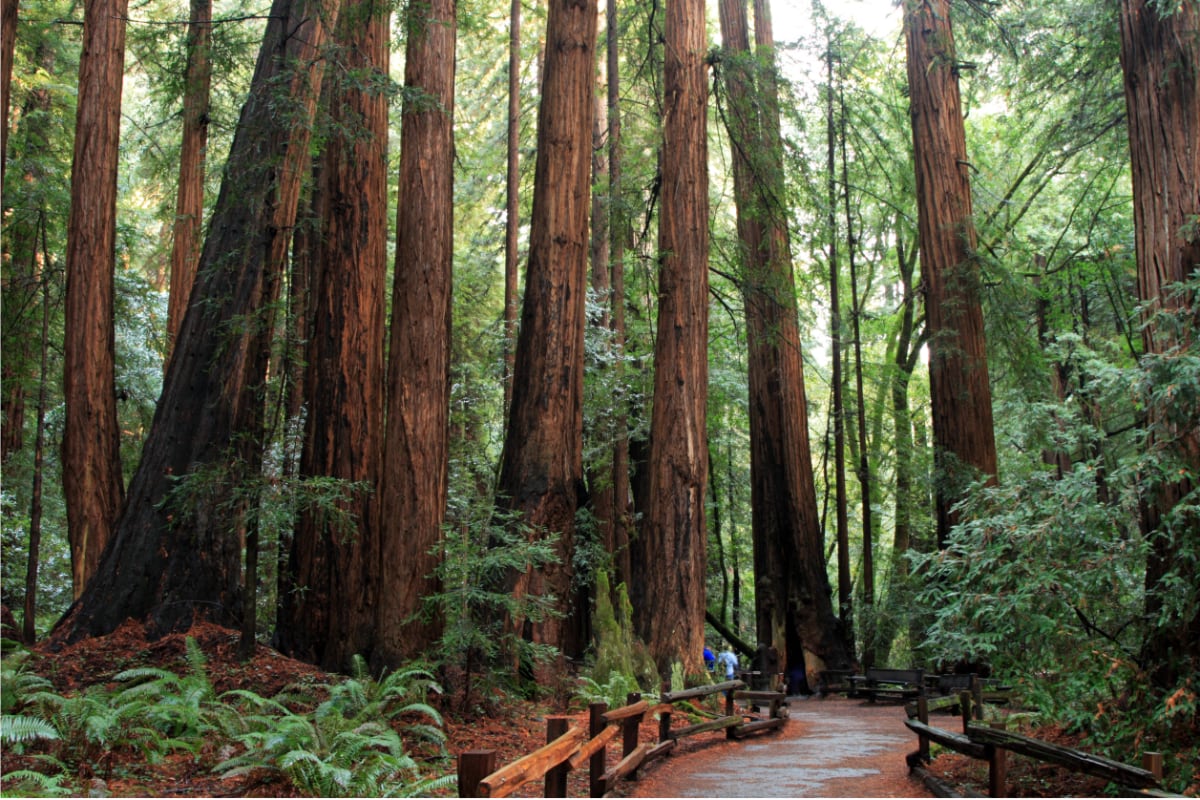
(17, 729)
(28, 783)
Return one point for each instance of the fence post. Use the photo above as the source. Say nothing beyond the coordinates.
(923, 740)
(629, 733)
(964, 704)
(556, 779)
(1153, 762)
(473, 767)
(997, 767)
(664, 720)
(977, 695)
(729, 709)
(596, 764)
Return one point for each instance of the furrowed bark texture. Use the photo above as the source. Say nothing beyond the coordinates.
(1160, 55)
(417, 459)
(326, 612)
(671, 620)
(541, 470)
(171, 560)
(91, 447)
(964, 440)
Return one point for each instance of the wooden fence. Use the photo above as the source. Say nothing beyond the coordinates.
(570, 748)
(992, 743)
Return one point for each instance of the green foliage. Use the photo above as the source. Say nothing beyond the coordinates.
(619, 659)
(474, 601)
(348, 746)
(30, 783)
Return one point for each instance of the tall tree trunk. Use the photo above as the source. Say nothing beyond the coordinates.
(512, 218)
(863, 470)
(189, 199)
(417, 459)
(327, 613)
(960, 395)
(1160, 55)
(675, 536)
(92, 481)
(9, 11)
(174, 554)
(541, 470)
(838, 410)
(29, 632)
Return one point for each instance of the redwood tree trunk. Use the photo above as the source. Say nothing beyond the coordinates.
(1160, 55)
(960, 395)
(541, 470)
(417, 460)
(332, 618)
(189, 198)
(175, 557)
(675, 537)
(794, 610)
(92, 484)
(512, 219)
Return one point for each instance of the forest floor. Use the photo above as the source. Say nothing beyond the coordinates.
(510, 726)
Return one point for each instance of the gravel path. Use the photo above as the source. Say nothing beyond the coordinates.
(829, 748)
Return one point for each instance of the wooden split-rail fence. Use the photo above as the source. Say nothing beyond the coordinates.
(992, 743)
(569, 748)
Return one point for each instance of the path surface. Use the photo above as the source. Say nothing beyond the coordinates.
(829, 748)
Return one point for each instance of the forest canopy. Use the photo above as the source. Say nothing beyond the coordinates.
(383, 332)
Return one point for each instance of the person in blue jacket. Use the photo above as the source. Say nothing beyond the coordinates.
(729, 660)
(710, 659)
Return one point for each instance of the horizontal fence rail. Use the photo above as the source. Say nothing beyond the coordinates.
(569, 748)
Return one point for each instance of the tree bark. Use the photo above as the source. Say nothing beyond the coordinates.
(29, 631)
(92, 480)
(674, 534)
(1160, 56)
(960, 395)
(512, 217)
(541, 471)
(327, 613)
(10, 10)
(172, 559)
(417, 456)
(189, 198)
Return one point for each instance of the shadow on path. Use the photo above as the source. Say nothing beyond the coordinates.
(829, 748)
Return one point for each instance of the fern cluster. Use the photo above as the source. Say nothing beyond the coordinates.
(350, 745)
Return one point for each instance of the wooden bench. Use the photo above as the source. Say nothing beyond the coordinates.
(886, 682)
(834, 681)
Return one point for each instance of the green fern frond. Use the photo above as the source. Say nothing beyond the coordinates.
(16, 728)
(28, 783)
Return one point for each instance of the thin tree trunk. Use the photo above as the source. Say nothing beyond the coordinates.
(416, 471)
(961, 400)
(29, 631)
(838, 410)
(541, 471)
(174, 554)
(1160, 55)
(675, 534)
(189, 200)
(863, 471)
(8, 45)
(512, 219)
(92, 481)
(327, 613)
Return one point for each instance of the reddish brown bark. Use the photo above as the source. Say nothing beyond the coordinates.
(512, 219)
(417, 460)
(92, 481)
(327, 611)
(1160, 55)
(171, 560)
(671, 620)
(541, 469)
(8, 44)
(964, 439)
(189, 197)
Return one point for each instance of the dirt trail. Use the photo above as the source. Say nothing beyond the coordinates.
(829, 748)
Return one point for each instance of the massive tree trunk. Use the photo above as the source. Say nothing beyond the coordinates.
(671, 621)
(417, 456)
(92, 483)
(1160, 55)
(960, 395)
(189, 198)
(326, 612)
(541, 468)
(794, 610)
(174, 555)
